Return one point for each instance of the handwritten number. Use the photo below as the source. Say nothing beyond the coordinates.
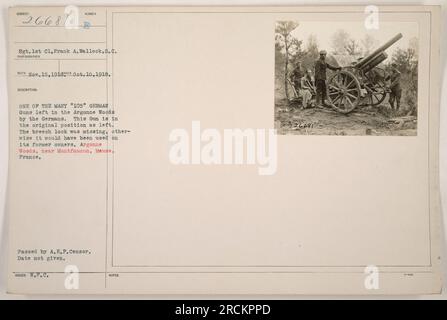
(30, 18)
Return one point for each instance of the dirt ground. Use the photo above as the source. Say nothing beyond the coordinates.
(368, 120)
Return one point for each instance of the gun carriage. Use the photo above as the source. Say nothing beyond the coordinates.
(360, 84)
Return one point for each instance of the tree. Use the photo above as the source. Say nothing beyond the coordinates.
(342, 43)
(413, 48)
(339, 41)
(312, 46)
(352, 47)
(407, 63)
(405, 60)
(279, 58)
(295, 50)
(287, 43)
(369, 43)
(310, 53)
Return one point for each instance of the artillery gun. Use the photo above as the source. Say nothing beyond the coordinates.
(362, 83)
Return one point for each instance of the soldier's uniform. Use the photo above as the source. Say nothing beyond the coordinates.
(396, 89)
(295, 77)
(320, 79)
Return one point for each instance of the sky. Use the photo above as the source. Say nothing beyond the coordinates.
(324, 31)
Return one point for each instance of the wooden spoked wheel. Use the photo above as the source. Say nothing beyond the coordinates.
(376, 93)
(344, 91)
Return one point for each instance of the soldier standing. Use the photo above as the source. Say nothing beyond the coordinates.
(396, 89)
(320, 78)
(296, 75)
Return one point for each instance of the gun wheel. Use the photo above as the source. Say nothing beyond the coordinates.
(344, 91)
(375, 86)
(376, 94)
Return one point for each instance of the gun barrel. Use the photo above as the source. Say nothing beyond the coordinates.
(380, 49)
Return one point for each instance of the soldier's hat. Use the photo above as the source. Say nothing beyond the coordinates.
(394, 64)
(323, 52)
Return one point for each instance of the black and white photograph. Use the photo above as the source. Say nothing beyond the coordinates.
(258, 152)
(339, 78)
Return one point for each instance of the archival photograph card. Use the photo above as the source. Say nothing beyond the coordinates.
(224, 150)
